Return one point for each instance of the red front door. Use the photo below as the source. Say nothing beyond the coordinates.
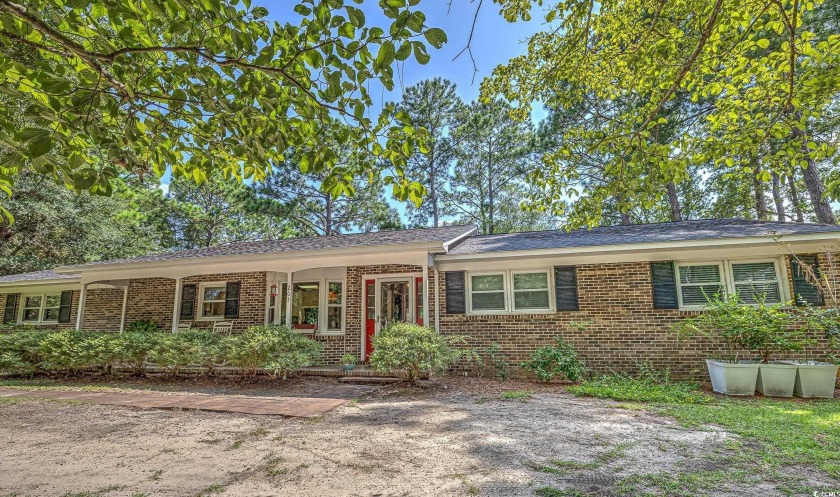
(370, 316)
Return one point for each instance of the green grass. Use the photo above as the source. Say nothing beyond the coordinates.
(517, 395)
(630, 389)
(789, 431)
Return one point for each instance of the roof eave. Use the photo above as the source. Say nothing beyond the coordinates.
(624, 247)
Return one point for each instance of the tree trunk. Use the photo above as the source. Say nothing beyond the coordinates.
(760, 200)
(433, 186)
(328, 216)
(778, 199)
(674, 202)
(794, 198)
(816, 191)
(490, 194)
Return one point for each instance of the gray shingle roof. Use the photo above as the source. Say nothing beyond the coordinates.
(704, 229)
(46, 275)
(439, 235)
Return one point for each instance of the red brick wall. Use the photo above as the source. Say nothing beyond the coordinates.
(103, 309)
(252, 298)
(151, 299)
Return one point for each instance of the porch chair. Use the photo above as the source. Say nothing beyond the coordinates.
(186, 326)
(222, 327)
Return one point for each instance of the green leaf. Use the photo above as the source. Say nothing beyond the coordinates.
(763, 43)
(436, 37)
(385, 56)
(40, 146)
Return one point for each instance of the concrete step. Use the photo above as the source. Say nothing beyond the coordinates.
(369, 380)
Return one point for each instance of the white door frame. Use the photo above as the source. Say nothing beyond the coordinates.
(379, 278)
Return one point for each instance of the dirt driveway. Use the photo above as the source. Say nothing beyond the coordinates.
(438, 441)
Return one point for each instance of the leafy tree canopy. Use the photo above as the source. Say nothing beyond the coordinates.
(198, 87)
(731, 80)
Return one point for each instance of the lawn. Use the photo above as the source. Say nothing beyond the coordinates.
(456, 436)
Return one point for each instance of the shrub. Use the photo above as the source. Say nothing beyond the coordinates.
(552, 361)
(412, 351)
(132, 348)
(20, 351)
(277, 349)
(72, 351)
(744, 328)
(348, 359)
(143, 325)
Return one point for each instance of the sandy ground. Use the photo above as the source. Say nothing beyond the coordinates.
(396, 441)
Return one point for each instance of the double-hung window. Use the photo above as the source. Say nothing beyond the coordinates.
(530, 291)
(487, 292)
(757, 281)
(753, 281)
(699, 283)
(510, 291)
(41, 308)
(213, 297)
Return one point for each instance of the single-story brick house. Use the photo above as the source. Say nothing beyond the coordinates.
(613, 292)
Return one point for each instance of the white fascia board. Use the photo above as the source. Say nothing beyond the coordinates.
(703, 249)
(294, 258)
(459, 238)
(39, 285)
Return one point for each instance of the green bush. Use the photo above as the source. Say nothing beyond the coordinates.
(132, 348)
(143, 325)
(20, 351)
(742, 329)
(175, 351)
(553, 361)
(413, 351)
(626, 388)
(277, 349)
(72, 351)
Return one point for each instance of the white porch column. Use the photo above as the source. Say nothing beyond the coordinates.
(176, 311)
(81, 310)
(289, 299)
(125, 304)
(426, 287)
(437, 300)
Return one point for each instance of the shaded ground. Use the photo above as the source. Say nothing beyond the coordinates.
(456, 437)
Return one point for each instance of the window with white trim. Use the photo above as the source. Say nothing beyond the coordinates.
(212, 305)
(40, 308)
(510, 291)
(757, 281)
(487, 292)
(531, 291)
(699, 283)
(335, 307)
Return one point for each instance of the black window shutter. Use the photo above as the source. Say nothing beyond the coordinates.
(664, 285)
(456, 302)
(188, 301)
(565, 288)
(232, 300)
(804, 291)
(10, 311)
(64, 307)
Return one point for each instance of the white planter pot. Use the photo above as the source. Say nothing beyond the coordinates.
(814, 379)
(776, 379)
(733, 378)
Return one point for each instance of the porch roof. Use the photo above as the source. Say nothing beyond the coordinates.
(46, 277)
(439, 239)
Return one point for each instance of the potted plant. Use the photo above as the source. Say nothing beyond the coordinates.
(816, 378)
(730, 322)
(348, 362)
(774, 334)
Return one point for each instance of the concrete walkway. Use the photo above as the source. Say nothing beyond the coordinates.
(300, 407)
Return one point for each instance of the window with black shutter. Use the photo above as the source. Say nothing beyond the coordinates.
(64, 306)
(232, 300)
(804, 290)
(664, 285)
(455, 293)
(188, 294)
(565, 288)
(10, 310)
